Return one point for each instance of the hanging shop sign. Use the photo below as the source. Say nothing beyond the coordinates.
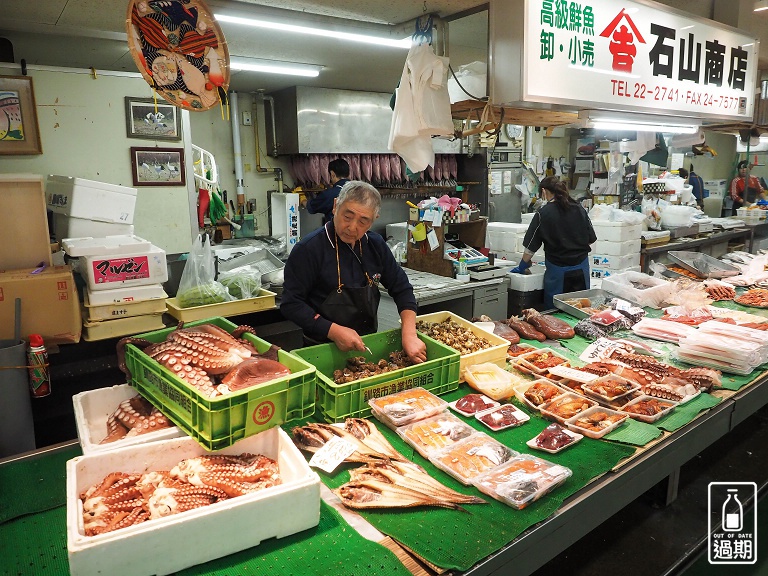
(627, 55)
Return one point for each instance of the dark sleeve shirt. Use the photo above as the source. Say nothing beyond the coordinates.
(323, 202)
(565, 234)
(311, 274)
(698, 186)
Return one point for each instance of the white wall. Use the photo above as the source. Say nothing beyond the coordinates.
(83, 134)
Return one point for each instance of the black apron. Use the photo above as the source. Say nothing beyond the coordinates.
(352, 307)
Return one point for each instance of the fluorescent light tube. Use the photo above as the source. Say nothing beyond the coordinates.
(637, 127)
(273, 67)
(335, 34)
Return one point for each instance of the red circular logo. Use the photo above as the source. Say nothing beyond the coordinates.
(264, 412)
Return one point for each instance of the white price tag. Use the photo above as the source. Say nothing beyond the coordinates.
(434, 243)
(598, 350)
(333, 453)
(622, 304)
(572, 373)
(437, 218)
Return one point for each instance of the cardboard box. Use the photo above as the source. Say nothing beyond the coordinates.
(49, 304)
(26, 223)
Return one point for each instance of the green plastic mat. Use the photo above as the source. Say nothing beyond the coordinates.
(34, 484)
(634, 432)
(35, 544)
(458, 540)
(682, 415)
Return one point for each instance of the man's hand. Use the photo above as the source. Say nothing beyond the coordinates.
(346, 339)
(521, 267)
(414, 347)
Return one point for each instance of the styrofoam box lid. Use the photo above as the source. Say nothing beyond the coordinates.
(94, 407)
(172, 543)
(507, 227)
(126, 294)
(71, 182)
(615, 224)
(105, 245)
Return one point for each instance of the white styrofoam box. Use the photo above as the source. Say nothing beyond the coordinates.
(513, 227)
(527, 217)
(130, 269)
(94, 407)
(127, 294)
(498, 240)
(71, 227)
(99, 246)
(515, 257)
(601, 273)
(528, 282)
(614, 263)
(721, 183)
(398, 230)
(616, 231)
(617, 248)
(90, 199)
(716, 192)
(475, 84)
(172, 543)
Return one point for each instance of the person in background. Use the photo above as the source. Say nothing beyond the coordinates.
(322, 202)
(695, 181)
(332, 278)
(744, 188)
(565, 230)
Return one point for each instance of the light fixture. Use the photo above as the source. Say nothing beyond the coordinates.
(312, 31)
(760, 5)
(606, 120)
(274, 67)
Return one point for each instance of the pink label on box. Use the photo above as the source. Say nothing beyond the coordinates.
(120, 269)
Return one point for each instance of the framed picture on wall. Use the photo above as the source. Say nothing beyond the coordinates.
(157, 166)
(150, 120)
(19, 131)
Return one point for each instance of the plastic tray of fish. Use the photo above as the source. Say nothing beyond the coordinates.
(554, 438)
(593, 301)
(470, 404)
(537, 392)
(404, 407)
(609, 388)
(502, 417)
(565, 406)
(471, 457)
(703, 265)
(596, 422)
(539, 361)
(522, 480)
(436, 433)
(657, 407)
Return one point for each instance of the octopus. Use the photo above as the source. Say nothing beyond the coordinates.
(124, 499)
(132, 417)
(598, 421)
(541, 391)
(209, 358)
(567, 406)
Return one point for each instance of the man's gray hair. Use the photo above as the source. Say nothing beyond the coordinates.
(362, 193)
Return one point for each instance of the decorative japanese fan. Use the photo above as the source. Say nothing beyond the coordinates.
(180, 50)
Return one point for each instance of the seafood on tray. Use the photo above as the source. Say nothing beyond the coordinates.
(719, 290)
(435, 433)
(610, 387)
(472, 457)
(554, 437)
(390, 484)
(505, 416)
(454, 335)
(517, 349)
(523, 480)
(647, 408)
(125, 499)
(664, 330)
(597, 420)
(566, 406)
(541, 360)
(472, 403)
(541, 391)
(757, 297)
(404, 407)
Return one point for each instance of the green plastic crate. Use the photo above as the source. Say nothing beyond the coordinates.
(439, 374)
(220, 422)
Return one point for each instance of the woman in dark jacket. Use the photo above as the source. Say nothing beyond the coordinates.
(565, 230)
